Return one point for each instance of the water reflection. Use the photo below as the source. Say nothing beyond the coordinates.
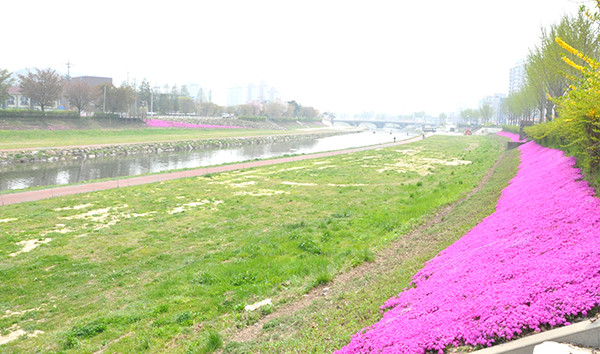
(43, 174)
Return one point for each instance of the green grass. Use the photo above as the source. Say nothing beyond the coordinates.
(170, 266)
(329, 323)
(20, 139)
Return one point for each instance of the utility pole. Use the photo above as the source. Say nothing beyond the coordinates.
(68, 69)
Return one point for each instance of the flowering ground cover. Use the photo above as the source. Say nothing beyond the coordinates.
(533, 262)
(172, 124)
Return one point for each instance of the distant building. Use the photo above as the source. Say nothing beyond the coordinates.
(93, 81)
(495, 101)
(235, 96)
(251, 93)
(516, 78)
(16, 100)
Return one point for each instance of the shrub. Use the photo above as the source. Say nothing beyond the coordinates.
(30, 113)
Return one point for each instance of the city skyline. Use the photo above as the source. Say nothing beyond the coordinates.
(336, 56)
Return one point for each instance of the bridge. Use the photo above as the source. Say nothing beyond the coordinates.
(378, 123)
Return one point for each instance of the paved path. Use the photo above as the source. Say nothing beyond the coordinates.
(13, 198)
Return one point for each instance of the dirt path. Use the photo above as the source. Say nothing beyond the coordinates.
(13, 198)
(385, 260)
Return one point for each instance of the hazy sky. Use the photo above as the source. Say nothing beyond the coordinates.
(342, 56)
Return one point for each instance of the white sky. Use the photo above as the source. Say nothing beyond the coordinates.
(342, 56)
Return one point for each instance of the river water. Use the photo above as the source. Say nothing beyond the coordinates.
(68, 172)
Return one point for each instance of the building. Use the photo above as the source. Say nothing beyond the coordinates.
(235, 96)
(495, 101)
(251, 93)
(516, 78)
(93, 81)
(16, 100)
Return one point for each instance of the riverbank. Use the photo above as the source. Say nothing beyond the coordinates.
(27, 196)
(12, 156)
(168, 265)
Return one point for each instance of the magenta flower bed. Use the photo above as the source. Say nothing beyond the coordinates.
(512, 136)
(171, 124)
(533, 262)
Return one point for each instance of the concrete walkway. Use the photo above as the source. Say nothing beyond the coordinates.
(21, 197)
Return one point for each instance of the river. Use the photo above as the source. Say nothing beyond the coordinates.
(59, 173)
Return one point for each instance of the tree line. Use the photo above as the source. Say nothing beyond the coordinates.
(45, 86)
(563, 89)
(547, 75)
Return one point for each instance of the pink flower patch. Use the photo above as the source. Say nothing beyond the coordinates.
(533, 262)
(171, 124)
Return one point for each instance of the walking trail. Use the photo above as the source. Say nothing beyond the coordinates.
(21, 197)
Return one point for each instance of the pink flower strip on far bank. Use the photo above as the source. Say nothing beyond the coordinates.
(172, 124)
(533, 262)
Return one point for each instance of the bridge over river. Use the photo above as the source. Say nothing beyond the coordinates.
(378, 123)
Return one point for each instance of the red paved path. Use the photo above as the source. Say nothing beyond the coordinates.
(21, 197)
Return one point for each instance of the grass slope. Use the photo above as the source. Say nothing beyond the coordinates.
(22, 139)
(347, 308)
(170, 266)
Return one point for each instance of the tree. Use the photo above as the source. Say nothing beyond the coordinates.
(308, 113)
(144, 93)
(486, 111)
(547, 72)
(174, 97)
(293, 109)
(118, 99)
(80, 94)
(5, 82)
(44, 86)
(209, 109)
(186, 105)
(442, 118)
(469, 115)
(184, 91)
(276, 109)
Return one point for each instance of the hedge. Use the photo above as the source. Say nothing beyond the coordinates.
(26, 113)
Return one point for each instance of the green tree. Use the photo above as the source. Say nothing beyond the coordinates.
(184, 91)
(44, 86)
(470, 116)
(209, 109)
(186, 105)
(442, 118)
(486, 111)
(144, 94)
(5, 82)
(546, 72)
(174, 97)
(118, 99)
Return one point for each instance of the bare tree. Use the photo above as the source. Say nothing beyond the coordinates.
(43, 86)
(5, 82)
(80, 94)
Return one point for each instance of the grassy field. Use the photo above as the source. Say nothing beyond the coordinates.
(170, 266)
(21, 139)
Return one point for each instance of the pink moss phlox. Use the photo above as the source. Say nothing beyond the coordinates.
(158, 123)
(512, 136)
(533, 262)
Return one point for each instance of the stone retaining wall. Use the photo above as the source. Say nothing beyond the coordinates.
(92, 152)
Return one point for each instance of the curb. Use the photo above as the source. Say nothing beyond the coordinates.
(586, 333)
